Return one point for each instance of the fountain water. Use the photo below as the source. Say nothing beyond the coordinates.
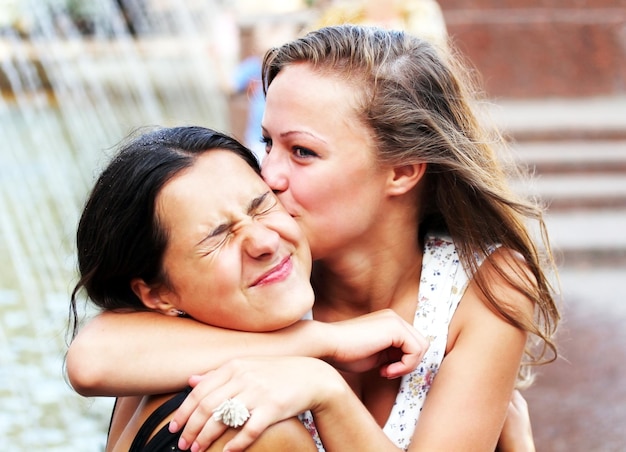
(74, 82)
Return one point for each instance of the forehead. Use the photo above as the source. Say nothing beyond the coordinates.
(318, 98)
(313, 87)
(222, 171)
(218, 180)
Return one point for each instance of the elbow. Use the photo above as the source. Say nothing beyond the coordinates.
(83, 373)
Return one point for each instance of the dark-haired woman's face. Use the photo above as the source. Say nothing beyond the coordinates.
(235, 258)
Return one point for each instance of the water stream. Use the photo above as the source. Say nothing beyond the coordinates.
(74, 82)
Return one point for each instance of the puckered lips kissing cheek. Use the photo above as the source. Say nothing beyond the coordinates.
(278, 273)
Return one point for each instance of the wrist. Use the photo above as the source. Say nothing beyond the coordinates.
(312, 338)
(333, 394)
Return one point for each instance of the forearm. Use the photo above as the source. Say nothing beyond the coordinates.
(274, 389)
(517, 433)
(345, 425)
(148, 353)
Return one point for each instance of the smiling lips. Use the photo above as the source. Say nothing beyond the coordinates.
(276, 274)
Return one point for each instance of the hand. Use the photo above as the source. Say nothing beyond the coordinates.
(273, 389)
(380, 339)
(517, 435)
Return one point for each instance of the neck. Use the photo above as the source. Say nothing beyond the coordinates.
(383, 272)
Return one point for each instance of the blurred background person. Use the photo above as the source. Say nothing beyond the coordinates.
(243, 86)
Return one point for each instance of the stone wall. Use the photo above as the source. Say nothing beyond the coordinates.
(542, 48)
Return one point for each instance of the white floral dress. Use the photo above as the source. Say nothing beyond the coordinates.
(442, 284)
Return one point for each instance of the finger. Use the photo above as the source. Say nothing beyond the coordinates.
(206, 386)
(259, 422)
(409, 340)
(218, 443)
(395, 370)
(183, 412)
(248, 433)
(210, 432)
(199, 419)
(518, 399)
(194, 380)
(412, 351)
(202, 418)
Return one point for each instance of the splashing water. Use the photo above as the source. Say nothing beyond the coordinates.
(74, 82)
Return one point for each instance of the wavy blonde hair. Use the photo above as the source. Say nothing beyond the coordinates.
(419, 104)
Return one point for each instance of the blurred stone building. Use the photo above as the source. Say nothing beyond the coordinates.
(543, 48)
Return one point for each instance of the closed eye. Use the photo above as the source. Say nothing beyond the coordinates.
(214, 240)
(262, 204)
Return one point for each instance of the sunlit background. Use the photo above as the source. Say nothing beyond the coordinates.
(76, 76)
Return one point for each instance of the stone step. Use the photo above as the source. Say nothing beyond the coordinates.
(583, 184)
(556, 119)
(586, 157)
(586, 237)
(567, 192)
(575, 175)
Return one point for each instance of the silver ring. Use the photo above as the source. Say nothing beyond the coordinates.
(232, 413)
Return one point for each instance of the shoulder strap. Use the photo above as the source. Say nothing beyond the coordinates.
(163, 437)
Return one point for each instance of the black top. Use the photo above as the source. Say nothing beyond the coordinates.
(163, 441)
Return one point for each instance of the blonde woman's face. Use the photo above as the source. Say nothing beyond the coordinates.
(321, 160)
(235, 258)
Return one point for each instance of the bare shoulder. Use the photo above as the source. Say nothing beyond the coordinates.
(285, 436)
(128, 416)
(508, 279)
(123, 412)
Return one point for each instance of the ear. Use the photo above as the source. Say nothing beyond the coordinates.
(404, 178)
(156, 298)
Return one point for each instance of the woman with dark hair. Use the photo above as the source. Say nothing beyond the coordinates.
(181, 223)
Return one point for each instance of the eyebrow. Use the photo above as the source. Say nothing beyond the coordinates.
(252, 206)
(256, 202)
(297, 132)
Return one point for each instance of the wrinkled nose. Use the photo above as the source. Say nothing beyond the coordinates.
(260, 241)
(275, 172)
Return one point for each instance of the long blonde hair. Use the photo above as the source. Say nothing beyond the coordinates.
(419, 104)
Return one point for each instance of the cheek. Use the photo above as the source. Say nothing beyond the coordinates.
(224, 274)
(315, 194)
(214, 280)
(326, 197)
(349, 211)
(214, 302)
